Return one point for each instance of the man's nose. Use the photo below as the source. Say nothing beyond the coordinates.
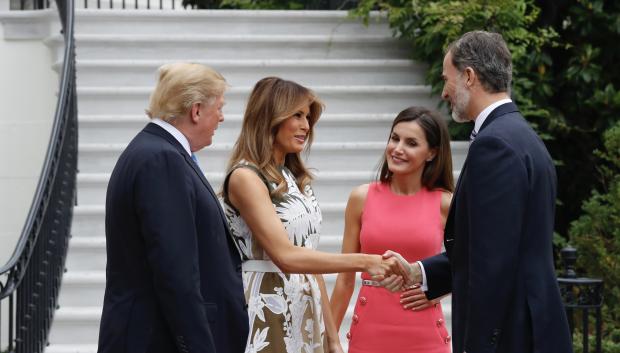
(444, 93)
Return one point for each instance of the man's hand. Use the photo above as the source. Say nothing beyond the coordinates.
(414, 273)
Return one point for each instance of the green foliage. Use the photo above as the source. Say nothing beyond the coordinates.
(596, 235)
(263, 4)
(268, 4)
(609, 344)
(429, 26)
(586, 97)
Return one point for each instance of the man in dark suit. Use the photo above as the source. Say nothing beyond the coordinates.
(173, 278)
(498, 262)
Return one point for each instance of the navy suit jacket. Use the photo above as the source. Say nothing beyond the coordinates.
(498, 262)
(173, 277)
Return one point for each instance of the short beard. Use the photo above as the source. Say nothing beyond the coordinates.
(461, 101)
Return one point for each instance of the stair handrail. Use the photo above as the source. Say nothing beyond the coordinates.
(34, 271)
(41, 197)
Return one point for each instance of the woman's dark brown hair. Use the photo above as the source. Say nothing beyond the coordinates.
(437, 173)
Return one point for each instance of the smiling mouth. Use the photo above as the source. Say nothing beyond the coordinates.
(300, 138)
(398, 160)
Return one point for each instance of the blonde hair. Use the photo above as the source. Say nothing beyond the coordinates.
(179, 86)
(272, 101)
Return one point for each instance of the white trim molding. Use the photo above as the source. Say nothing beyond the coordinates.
(29, 24)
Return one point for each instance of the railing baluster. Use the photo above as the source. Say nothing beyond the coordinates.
(31, 278)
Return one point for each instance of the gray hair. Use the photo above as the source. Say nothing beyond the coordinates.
(488, 55)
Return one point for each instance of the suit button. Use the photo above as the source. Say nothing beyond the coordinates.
(447, 339)
(363, 300)
(355, 318)
(439, 322)
(349, 336)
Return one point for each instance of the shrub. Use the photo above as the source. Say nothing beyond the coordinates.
(596, 235)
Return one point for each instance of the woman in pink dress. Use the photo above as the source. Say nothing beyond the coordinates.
(404, 211)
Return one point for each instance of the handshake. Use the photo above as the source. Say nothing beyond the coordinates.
(395, 273)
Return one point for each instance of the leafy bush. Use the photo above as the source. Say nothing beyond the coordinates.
(271, 4)
(429, 26)
(596, 235)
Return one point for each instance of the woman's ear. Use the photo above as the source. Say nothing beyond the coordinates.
(431, 155)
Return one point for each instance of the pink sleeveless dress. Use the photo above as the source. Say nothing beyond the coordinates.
(411, 226)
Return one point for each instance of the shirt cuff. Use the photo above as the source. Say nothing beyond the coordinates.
(424, 285)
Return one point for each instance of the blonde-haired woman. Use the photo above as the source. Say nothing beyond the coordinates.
(276, 221)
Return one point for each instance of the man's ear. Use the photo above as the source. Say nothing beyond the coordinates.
(194, 112)
(470, 76)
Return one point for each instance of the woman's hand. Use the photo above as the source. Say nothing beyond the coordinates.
(381, 268)
(413, 298)
(335, 347)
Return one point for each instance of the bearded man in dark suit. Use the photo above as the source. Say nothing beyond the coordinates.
(498, 262)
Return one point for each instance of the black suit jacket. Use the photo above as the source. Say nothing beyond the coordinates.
(173, 277)
(498, 262)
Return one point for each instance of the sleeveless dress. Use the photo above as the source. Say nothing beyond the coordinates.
(411, 226)
(284, 309)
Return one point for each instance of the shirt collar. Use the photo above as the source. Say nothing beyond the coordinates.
(486, 111)
(178, 135)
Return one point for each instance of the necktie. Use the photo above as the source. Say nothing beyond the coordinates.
(472, 136)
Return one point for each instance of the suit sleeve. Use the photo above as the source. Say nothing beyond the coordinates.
(497, 191)
(438, 275)
(166, 206)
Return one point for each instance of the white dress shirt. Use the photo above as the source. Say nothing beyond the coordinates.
(484, 114)
(178, 135)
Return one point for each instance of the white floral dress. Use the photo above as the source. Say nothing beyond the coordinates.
(284, 309)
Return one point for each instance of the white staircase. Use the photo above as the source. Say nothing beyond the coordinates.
(362, 74)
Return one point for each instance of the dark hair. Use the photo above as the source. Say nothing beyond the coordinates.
(488, 55)
(437, 174)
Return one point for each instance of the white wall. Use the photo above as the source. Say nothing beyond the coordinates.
(28, 88)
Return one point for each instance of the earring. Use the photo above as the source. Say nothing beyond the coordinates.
(429, 160)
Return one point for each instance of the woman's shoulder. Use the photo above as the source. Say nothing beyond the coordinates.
(446, 200)
(359, 194)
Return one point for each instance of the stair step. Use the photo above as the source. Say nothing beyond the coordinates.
(80, 325)
(89, 220)
(88, 253)
(235, 21)
(191, 46)
(247, 72)
(330, 128)
(359, 156)
(96, 158)
(337, 99)
(76, 325)
(71, 348)
(328, 186)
